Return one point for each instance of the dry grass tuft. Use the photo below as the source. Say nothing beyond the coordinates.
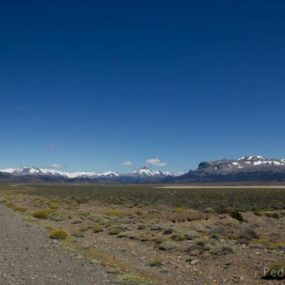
(58, 234)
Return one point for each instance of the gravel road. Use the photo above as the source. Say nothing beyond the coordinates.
(29, 257)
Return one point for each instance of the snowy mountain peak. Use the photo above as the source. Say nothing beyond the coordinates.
(109, 174)
(168, 173)
(245, 162)
(252, 158)
(145, 171)
(27, 171)
(261, 160)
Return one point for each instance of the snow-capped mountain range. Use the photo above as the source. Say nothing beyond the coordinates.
(44, 172)
(245, 162)
(245, 169)
(144, 171)
(35, 171)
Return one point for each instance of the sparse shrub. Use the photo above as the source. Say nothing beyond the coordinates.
(39, 202)
(53, 205)
(129, 234)
(168, 245)
(279, 245)
(179, 209)
(115, 230)
(156, 228)
(84, 214)
(266, 243)
(101, 220)
(54, 216)
(258, 213)
(76, 221)
(201, 242)
(138, 212)
(97, 228)
(192, 234)
(85, 228)
(115, 213)
(132, 279)
(155, 263)
(268, 209)
(222, 250)
(10, 204)
(247, 234)
(141, 227)
(41, 214)
(58, 234)
(199, 247)
(158, 239)
(237, 215)
(217, 232)
(209, 210)
(178, 236)
(273, 215)
(144, 237)
(20, 209)
(168, 231)
(204, 244)
(261, 242)
(194, 250)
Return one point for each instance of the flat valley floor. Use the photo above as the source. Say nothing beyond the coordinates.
(141, 234)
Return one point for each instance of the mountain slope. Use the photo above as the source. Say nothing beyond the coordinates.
(244, 169)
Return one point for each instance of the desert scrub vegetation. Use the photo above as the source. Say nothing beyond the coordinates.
(179, 209)
(236, 214)
(115, 213)
(85, 228)
(155, 262)
(53, 205)
(42, 215)
(97, 228)
(20, 209)
(245, 199)
(178, 236)
(13, 206)
(58, 234)
(265, 242)
(84, 214)
(169, 245)
(129, 234)
(116, 229)
(160, 231)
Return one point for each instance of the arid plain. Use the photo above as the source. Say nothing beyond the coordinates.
(144, 234)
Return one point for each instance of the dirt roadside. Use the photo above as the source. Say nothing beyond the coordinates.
(28, 256)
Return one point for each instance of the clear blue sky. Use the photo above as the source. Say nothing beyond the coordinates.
(91, 84)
